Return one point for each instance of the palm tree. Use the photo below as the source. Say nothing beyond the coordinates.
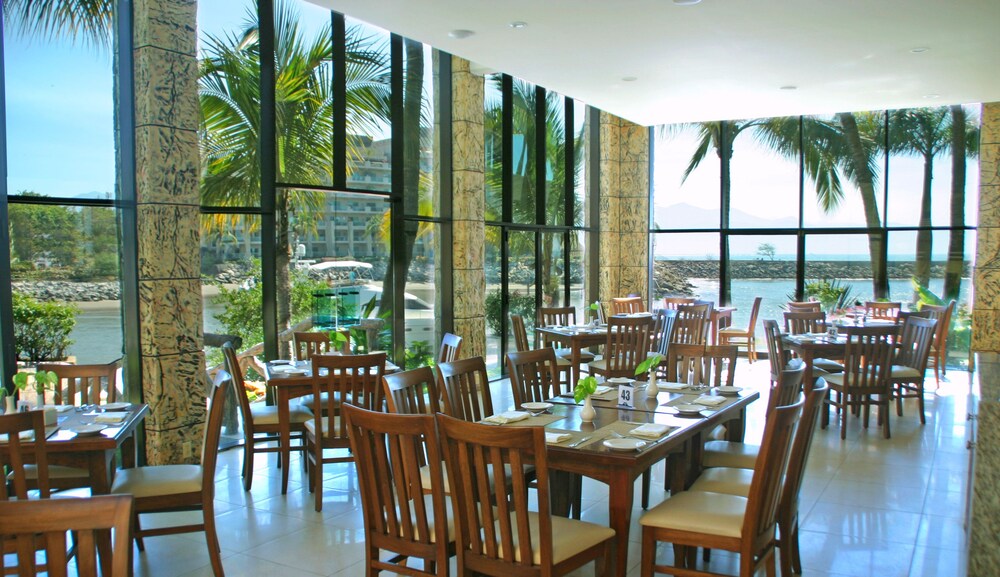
(91, 21)
(304, 116)
(964, 144)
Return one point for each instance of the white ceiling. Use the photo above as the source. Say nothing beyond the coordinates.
(719, 59)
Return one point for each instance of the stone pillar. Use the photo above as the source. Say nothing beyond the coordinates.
(984, 555)
(166, 111)
(468, 208)
(624, 207)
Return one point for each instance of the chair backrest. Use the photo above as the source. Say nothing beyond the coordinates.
(602, 315)
(776, 354)
(628, 344)
(691, 327)
(942, 314)
(12, 426)
(42, 525)
(213, 431)
(915, 343)
(674, 302)
(708, 365)
(666, 320)
(232, 363)
(754, 311)
(804, 306)
(412, 392)
(466, 386)
(627, 305)
(801, 443)
(353, 378)
(451, 346)
(556, 316)
(868, 359)
(883, 310)
(787, 387)
(764, 494)
(487, 521)
(520, 333)
(805, 322)
(87, 381)
(401, 513)
(315, 343)
(534, 375)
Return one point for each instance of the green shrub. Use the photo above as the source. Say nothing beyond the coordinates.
(42, 329)
(517, 303)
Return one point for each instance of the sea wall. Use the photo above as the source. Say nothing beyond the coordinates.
(69, 291)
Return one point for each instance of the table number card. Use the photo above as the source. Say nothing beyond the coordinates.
(626, 396)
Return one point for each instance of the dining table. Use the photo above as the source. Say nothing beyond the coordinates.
(722, 317)
(587, 447)
(827, 345)
(574, 337)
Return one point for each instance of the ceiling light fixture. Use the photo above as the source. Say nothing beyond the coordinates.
(518, 24)
(686, 2)
(919, 49)
(932, 96)
(460, 34)
(629, 79)
(789, 87)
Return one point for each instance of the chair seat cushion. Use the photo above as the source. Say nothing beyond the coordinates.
(431, 521)
(56, 472)
(425, 478)
(569, 537)
(708, 513)
(728, 480)
(585, 356)
(734, 332)
(730, 454)
(268, 414)
(598, 365)
(828, 365)
(562, 362)
(310, 425)
(901, 372)
(158, 480)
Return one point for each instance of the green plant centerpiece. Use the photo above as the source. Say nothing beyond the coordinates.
(42, 380)
(650, 365)
(584, 388)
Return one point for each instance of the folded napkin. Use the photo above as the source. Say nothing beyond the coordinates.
(111, 418)
(709, 400)
(553, 438)
(60, 408)
(673, 387)
(602, 390)
(650, 431)
(508, 417)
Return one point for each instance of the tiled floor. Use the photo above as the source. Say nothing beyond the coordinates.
(870, 506)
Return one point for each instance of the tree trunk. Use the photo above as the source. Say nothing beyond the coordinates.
(865, 181)
(956, 242)
(283, 279)
(922, 267)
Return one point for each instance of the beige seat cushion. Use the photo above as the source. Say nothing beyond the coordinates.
(828, 365)
(431, 521)
(733, 332)
(728, 480)
(56, 472)
(425, 478)
(310, 425)
(730, 454)
(585, 356)
(569, 537)
(901, 372)
(708, 513)
(562, 362)
(158, 480)
(268, 414)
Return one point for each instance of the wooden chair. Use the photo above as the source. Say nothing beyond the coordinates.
(798, 323)
(562, 317)
(663, 333)
(84, 384)
(867, 362)
(413, 392)
(349, 378)
(496, 533)
(939, 347)
(522, 344)
(883, 311)
(693, 323)
(466, 386)
(705, 365)
(674, 302)
(172, 488)
(451, 346)
(776, 354)
(307, 344)
(41, 525)
(737, 481)
(745, 525)
(534, 376)
(627, 306)
(260, 421)
(401, 476)
(12, 426)
(747, 336)
(804, 306)
(910, 364)
(628, 345)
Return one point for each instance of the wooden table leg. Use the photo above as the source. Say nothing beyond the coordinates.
(285, 434)
(574, 369)
(736, 428)
(99, 467)
(620, 513)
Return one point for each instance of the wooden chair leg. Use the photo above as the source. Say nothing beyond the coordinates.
(248, 453)
(212, 539)
(885, 422)
(137, 532)
(920, 403)
(793, 543)
(843, 422)
(646, 478)
(648, 553)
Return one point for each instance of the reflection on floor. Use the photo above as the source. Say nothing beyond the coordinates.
(870, 506)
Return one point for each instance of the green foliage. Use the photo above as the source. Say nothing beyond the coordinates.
(42, 381)
(41, 330)
(517, 303)
(924, 295)
(584, 388)
(419, 354)
(651, 362)
(45, 234)
(960, 331)
(831, 294)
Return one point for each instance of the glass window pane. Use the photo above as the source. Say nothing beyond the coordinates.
(524, 192)
(521, 282)
(59, 109)
(555, 159)
(421, 132)
(494, 315)
(685, 264)
(493, 127)
(841, 261)
(66, 282)
(761, 266)
(422, 299)
(581, 147)
(231, 298)
(685, 201)
(552, 270)
(764, 173)
(578, 274)
(369, 138)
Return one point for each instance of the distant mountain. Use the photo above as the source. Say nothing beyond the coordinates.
(683, 215)
(94, 195)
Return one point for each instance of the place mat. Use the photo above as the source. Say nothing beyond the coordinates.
(576, 436)
(673, 387)
(624, 428)
(689, 400)
(539, 421)
(712, 401)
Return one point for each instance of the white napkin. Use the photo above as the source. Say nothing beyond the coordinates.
(112, 419)
(553, 438)
(650, 431)
(602, 390)
(710, 401)
(508, 417)
(60, 408)
(673, 387)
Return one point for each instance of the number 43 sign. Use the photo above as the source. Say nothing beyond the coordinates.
(626, 396)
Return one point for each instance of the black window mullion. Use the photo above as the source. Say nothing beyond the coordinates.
(268, 178)
(7, 352)
(800, 252)
(339, 100)
(397, 239)
(541, 192)
(569, 191)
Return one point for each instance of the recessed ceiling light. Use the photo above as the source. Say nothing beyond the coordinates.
(518, 24)
(932, 96)
(919, 49)
(686, 2)
(460, 33)
(629, 78)
(789, 87)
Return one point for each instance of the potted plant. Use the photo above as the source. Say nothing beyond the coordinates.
(650, 365)
(42, 381)
(8, 401)
(584, 388)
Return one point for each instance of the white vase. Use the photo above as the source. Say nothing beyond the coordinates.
(651, 388)
(10, 406)
(39, 400)
(588, 413)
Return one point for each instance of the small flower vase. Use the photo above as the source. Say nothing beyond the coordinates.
(588, 413)
(39, 400)
(651, 388)
(10, 405)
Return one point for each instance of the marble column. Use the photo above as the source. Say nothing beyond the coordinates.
(624, 208)
(166, 110)
(468, 208)
(984, 528)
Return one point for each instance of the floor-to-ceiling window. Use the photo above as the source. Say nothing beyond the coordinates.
(863, 205)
